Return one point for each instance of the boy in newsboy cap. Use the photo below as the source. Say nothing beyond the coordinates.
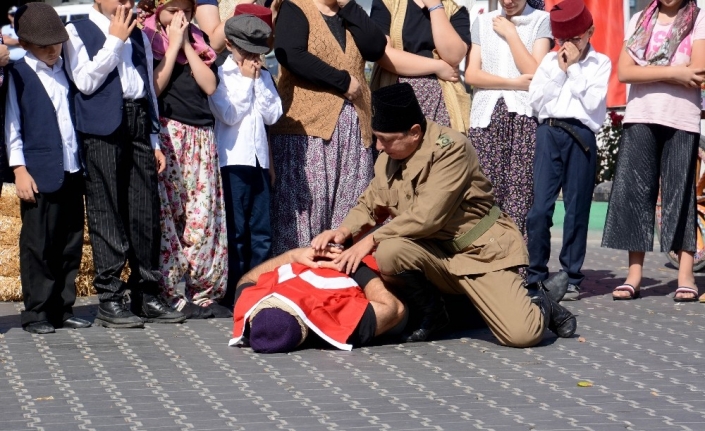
(43, 153)
(568, 92)
(244, 103)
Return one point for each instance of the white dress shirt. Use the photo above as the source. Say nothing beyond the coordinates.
(88, 74)
(242, 107)
(57, 87)
(581, 93)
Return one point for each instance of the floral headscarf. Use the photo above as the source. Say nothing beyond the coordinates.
(680, 29)
(150, 9)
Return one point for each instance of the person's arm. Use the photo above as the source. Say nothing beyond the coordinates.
(25, 185)
(232, 101)
(9, 40)
(291, 49)
(589, 88)
(87, 74)
(368, 37)
(304, 256)
(478, 78)
(149, 89)
(208, 19)
(629, 72)
(202, 73)
(4, 55)
(267, 101)
(547, 83)
(175, 32)
(450, 46)
(527, 62)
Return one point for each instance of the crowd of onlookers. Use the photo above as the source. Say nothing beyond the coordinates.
(196, 164)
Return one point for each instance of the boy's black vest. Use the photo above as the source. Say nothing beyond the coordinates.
(100, 113)
(42, 145)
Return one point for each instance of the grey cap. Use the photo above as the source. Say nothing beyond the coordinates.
(249, 33)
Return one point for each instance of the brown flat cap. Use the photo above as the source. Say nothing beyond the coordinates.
(38, 23)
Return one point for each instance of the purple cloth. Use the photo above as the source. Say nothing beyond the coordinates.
(274, 331)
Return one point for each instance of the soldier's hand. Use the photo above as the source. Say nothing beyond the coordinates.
(311, 257)
(321, 241)
(350, 259)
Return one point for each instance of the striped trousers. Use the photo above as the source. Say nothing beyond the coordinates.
(122, 204)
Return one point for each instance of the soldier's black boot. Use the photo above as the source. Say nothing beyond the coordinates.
(426, 307)
(556, 285)
(558, 319)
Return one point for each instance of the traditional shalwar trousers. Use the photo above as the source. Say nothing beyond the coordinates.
(561, 163)
(51, 244)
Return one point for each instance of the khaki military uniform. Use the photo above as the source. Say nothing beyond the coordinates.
(436, 195)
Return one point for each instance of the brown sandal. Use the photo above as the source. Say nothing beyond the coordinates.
(633, 293)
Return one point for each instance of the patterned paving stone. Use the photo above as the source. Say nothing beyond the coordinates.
(643, 358)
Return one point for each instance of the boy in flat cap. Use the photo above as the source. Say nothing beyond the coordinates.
(445, 231)
(243, 104)
(44, 155)
(110, 61)
(568, 92)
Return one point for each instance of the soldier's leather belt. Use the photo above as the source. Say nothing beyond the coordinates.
(456, 245)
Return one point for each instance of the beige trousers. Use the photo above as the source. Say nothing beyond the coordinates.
(499, 296)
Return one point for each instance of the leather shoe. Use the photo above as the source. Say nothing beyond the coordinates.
(75, 323)
(42, 327)
(559, 320)
(556, 285)
(152, 308)
(220, 311)
(193, 311)
(115, 314)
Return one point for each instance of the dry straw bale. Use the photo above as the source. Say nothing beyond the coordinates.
(9, 202)
(10, 289)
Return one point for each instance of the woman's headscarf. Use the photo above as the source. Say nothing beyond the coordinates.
(536, 4)
(680, 29)
(160, 41)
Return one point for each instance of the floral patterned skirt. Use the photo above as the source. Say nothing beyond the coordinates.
(317, 181)
(505, 150)
(430, 95)
(194, 238)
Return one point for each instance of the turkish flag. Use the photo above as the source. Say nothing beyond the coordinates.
(608, 16)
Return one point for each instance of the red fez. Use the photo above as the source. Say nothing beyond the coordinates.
(570, 18)
(261, 12)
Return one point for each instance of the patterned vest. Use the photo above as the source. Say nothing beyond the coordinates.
(312, 110)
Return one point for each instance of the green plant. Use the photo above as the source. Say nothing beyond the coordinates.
(610, 135)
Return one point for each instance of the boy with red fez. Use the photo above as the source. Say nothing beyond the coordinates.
(110, 62)
(44, 155)
(568, 92)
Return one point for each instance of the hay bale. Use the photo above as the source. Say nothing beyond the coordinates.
(10, 289)
(10, 261)
(9, 231)
(9, 202)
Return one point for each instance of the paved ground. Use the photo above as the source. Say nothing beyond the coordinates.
(643, 358)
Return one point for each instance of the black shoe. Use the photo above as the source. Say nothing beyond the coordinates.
(115, 314)
(556, 285)
(75, 323)
(559, 320)
(193, 311)
(152, 308)
(42, 327)
(426, 307)
(220, 311)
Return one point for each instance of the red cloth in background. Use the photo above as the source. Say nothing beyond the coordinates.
(608, 39)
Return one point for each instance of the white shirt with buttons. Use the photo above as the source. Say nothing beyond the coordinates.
(57, 87)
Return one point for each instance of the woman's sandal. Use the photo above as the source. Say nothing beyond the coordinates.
(684, 289)
(633, 293)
